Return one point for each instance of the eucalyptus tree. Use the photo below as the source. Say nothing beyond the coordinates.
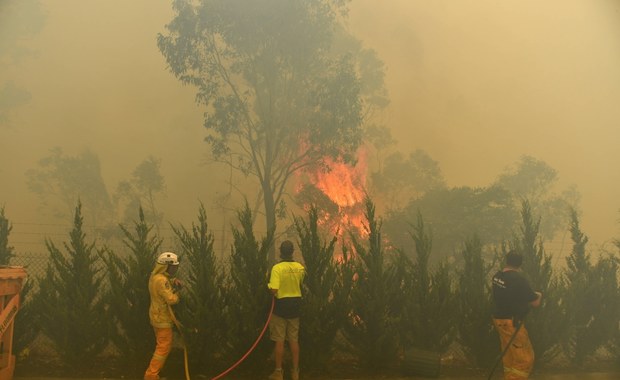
(535, 180)
(60, 181)
(455, 214)
(21, 20)
(280, 92)
(403, 178)
(145, 185)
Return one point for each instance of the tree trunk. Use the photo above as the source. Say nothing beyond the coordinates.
(270, 218)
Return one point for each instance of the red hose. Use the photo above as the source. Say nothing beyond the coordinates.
(273, 303)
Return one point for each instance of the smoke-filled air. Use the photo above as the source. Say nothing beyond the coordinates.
(476, 88)
(428, 128)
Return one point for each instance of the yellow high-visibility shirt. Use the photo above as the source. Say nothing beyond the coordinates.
(286, 277)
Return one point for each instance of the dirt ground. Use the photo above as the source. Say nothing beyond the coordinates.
(536, 376)
(604, 370)
(582, 376)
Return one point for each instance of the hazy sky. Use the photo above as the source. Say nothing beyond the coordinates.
(476, 84)
(479, 83)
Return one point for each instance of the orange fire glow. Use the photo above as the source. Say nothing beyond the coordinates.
(344, 185)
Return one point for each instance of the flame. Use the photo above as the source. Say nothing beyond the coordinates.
(344, 185)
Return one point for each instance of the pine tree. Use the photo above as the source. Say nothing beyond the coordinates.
(546, 323)
(591, 295)
(477, 336)
(247, 297)
(325, 291)
(372, 328)
(430, 297)
(614, 345)
(202, 310)
(6, 251)
(128, 296)
(72, 311)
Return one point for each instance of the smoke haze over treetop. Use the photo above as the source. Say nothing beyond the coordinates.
(477, 85)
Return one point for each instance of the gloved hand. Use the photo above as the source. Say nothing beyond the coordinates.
(177, 284)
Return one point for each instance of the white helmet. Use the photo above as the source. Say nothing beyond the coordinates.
(168, 258)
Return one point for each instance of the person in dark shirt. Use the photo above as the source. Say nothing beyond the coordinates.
(513, 297)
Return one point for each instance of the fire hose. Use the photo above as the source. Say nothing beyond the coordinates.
(260, 336)
(178, 326)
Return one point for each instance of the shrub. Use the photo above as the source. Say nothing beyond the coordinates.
(372, 326)
(6, 251)
(202, 308)
(128, 296)
(591, 298)
(429, 322)
(70, 302)
(325, 292)
(546, 324)
(476, 333)
(247, 297)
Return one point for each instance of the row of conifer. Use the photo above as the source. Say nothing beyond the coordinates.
(365, 301)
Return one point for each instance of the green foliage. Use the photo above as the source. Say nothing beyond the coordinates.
(278, 95)
(60, 181)
(128, 297)
(591, 298)
(70, 302)
(534, 180)
(247, 298)
(326, 289)
(430, 300)
(372, 327)
(546, 323)
(455, 215)
(145, 185)
(476, 334)
(202, 311)
(377, 303)
(402, 178)
(6, 251)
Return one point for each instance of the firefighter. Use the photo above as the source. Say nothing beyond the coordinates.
(285, 284)
(163, 288)
(513, 297)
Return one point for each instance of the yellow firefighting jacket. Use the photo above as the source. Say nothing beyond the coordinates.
(162, 295)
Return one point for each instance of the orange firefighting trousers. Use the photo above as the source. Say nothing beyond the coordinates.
(519, 358)
(162, 349)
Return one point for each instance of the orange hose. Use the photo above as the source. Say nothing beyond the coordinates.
(273, 302)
